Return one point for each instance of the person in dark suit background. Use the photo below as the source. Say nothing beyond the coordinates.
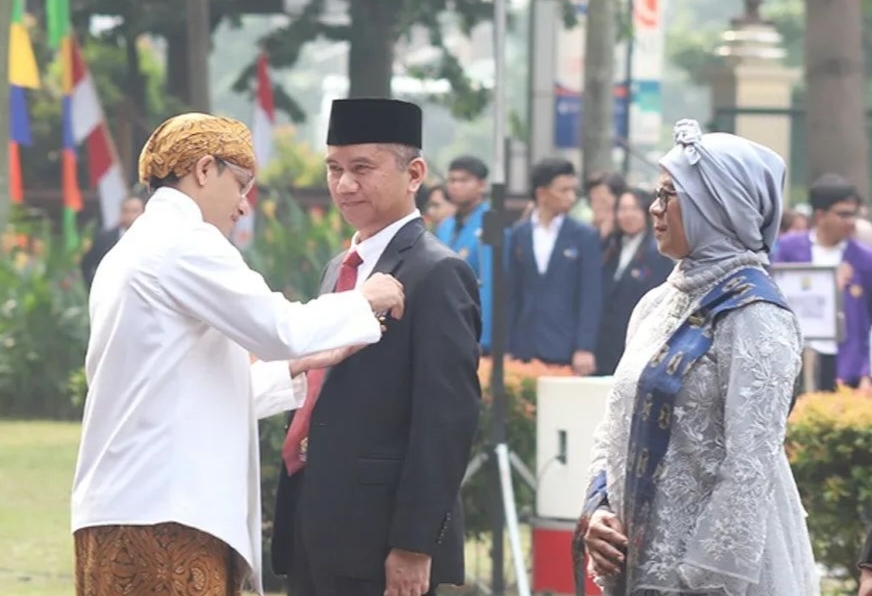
(632, 267)
(553, 274)
(368, 500)
(131, 208)
(603, 189)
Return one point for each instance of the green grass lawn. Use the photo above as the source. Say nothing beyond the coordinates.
(37, 460)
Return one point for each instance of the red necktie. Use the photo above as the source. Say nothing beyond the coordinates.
(294, 448)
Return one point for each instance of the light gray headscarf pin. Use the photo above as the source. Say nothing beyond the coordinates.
(730, 190)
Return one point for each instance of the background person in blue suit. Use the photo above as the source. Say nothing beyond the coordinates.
(554, 276)
(467, 187)
(633, 266)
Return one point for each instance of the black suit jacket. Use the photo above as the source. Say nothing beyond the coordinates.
(392, 430)
(102, 244)
(647, 270)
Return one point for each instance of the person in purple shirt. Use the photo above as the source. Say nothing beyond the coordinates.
(835, 204)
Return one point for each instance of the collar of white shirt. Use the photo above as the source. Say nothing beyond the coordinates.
(837, 247)
(175, 199)
(371, 249)
(555, 224)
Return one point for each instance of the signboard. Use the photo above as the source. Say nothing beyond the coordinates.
(644, 101)
(813, 296)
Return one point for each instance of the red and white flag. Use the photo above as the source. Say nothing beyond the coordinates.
(262, 135)
(89, 127)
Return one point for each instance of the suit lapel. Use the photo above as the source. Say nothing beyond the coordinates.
(525, 246)
(561, 243)
(392, 257)
(331, 275)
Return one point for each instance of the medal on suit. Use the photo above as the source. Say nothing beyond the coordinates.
(856, 290)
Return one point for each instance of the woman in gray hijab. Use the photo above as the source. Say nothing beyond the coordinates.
(691, 493)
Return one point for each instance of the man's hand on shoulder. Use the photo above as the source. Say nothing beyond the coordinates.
(407, 573)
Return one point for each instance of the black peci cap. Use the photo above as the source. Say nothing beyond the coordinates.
(370, 120)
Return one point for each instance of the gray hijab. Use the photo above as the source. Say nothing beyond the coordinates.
(730, 190)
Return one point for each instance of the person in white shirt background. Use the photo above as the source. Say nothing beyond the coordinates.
(168, 467)
(554, 276)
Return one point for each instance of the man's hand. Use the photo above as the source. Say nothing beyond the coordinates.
(324, 359)
(407, 573)
(384, 294)
(583, 363)
(865, 582)
(865, 385)
(605, 541)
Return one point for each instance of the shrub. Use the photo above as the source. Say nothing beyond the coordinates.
(292, 245)
(829, 443)
(43, 325)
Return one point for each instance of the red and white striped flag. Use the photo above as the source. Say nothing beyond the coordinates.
(262, 136)
(89, 126)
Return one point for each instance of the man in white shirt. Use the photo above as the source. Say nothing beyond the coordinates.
(368, 500)
(166, 491)
(554, 276)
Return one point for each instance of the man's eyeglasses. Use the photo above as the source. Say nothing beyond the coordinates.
(662, 195)
(845, 214)
(245, 177)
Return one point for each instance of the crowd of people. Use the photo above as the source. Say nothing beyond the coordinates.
(668, 292)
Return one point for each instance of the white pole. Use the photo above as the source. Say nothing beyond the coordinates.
(512, 519)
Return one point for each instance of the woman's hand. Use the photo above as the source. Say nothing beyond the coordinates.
(606, 543)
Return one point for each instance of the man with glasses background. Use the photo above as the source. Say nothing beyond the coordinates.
(836, 205)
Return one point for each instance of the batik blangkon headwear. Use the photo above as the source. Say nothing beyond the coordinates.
(731, 193)
(177, 144)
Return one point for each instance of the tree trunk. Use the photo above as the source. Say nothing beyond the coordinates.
(199, 47)
(597, 129)
(177, 66)
(5, 24)
(834, 73)
(371, 52)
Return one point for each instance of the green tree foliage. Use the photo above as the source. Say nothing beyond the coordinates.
(372, 61)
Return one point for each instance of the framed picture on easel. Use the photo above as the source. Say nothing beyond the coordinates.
(813, 295)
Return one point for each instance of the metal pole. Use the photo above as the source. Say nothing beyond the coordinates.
(629, 82)
(494, 227)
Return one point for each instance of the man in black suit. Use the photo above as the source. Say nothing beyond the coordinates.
(131, 208)
(368, 498)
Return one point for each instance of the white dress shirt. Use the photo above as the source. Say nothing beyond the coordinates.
(629, 247)
(371, 249)
(544, 239)
(170, 424)
(830, 256)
